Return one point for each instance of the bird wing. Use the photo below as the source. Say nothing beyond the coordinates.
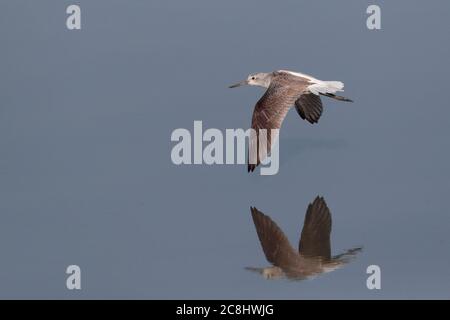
(315, 236)
(276, 246)
(309, 107)
(269, 114)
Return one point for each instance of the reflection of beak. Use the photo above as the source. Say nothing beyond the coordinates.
(242, 83)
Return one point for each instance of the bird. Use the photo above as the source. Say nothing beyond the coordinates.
(313, 256)
(285, 89)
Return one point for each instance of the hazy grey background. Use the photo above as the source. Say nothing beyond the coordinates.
(85, 170)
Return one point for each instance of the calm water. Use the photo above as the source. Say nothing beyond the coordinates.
(86, 176)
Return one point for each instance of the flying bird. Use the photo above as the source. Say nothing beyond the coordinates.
(284, 90)
(313, 256)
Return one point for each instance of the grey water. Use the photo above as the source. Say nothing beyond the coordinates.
(86, 176)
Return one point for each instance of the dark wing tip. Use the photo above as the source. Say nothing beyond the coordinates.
(315, 235)
(255, 212)
(318, 212)
(320, 206)
(309, 107)
(319, 200)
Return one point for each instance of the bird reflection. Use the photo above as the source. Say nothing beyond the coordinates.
(314, 251)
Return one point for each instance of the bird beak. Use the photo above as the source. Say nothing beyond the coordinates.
(242, 83)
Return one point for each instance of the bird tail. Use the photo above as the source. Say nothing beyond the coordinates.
(333, 86)
(328, 89)
(348, 255)
(333, 96)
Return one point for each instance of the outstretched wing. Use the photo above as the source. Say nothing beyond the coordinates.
(309, 107)
(315, 237)
(276, 246)
(269, 114)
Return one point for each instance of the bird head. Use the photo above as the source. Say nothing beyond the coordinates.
(260, 79)
(272, 273)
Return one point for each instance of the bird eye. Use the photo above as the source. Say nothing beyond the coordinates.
(253, 78)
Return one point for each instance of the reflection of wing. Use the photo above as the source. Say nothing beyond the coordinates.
(270, 112)
(275, 245)
(315, 237)
(309, 107)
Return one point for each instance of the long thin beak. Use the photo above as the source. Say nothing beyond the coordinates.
(242, 83)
